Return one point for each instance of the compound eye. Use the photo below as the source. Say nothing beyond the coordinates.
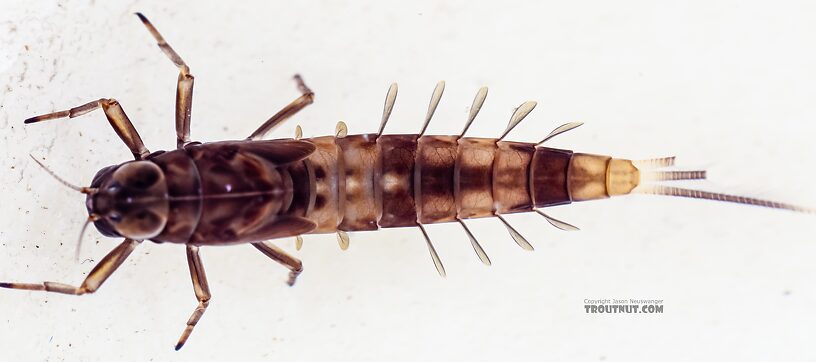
(141, 224)
(144, 177)
(140, 175)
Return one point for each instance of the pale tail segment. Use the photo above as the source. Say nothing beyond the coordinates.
(370, 181)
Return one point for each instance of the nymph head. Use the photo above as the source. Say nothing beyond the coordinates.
(129, 200)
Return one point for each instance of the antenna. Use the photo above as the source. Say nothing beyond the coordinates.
(91, 218)
(84, 190)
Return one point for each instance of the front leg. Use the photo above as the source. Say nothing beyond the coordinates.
(98, 275)
(184, 86)
(116, 116)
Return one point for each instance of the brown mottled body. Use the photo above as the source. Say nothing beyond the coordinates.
(248, 191)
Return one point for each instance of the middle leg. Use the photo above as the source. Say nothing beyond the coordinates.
(202, 292)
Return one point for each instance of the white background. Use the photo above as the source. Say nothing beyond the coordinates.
(725, 85)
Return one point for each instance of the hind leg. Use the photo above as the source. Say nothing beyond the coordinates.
(277, 254)
(306, 98)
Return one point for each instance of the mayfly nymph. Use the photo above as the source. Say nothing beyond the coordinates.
(251, 191)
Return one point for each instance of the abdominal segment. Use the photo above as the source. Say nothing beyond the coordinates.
(364, 182)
